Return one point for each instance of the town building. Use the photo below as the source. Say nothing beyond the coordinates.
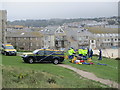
(25, 40)
(3, 23)
(110, 40)
(54, 37)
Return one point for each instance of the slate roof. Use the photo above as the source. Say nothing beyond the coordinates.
(50, 30)
(22, 33)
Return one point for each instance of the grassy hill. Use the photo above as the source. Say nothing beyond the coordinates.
(109, 71)
(102, 30)
(17, 74)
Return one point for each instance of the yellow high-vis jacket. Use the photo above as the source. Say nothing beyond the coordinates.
(80, 51)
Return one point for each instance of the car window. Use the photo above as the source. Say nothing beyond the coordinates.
(3, 47)
(49, 52)
(9, 47)
(58, 52)
(35, 51)
(41, 52)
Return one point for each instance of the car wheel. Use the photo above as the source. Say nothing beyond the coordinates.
(31, 60)
(15, 54)
(56, 61)
(5, 53)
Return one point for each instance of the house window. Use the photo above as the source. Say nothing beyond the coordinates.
(57, 31)
(31, 38)
(46, 38)
(115, 39)
(18, 38)
(61, 31)
(17, 44)
(30, 44)
(37, 44)
(36, 38)
(108, 39)
(92, 41)
(11, 38)
(23, 44)
(86, 37)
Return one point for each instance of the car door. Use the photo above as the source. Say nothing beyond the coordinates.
(40, 55)
(49, 55)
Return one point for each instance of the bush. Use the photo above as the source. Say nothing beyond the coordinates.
(51, 80)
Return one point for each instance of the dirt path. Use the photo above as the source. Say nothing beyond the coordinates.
(91, 76)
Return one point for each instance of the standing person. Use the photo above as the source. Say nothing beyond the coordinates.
(88, 53)
(100, 54)
(80, 52)
(91, 54)
(71, 53)
(85, 51)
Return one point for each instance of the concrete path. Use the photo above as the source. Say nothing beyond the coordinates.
(91, 76)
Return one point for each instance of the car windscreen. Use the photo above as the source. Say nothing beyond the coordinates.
(59, 52)
(49, 52)
(35, 51)
(9, 47)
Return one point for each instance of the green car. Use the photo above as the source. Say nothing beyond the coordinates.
(44, 55)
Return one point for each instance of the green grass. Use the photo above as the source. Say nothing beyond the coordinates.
(106, 72)
(102, 30)
(17, 74)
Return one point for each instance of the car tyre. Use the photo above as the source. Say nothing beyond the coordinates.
(31, 60)
(5, 53)
(15, 54)
(56, 61)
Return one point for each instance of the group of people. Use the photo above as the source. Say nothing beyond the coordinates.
(83, 52)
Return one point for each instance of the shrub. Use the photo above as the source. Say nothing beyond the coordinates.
(117, 58)
(51, 80)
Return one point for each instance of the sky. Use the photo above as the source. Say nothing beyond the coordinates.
(22, 10)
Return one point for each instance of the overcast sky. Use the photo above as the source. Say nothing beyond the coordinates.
(47, 10)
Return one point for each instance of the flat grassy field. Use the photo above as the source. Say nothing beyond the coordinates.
(102, 30)
(110, 71)
(17, 74)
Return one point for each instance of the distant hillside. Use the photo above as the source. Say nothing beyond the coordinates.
(46, 22)
(43, 23)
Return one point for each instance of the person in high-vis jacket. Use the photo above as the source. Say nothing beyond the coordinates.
(85, 51)
(71, 53)
(80, 52)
